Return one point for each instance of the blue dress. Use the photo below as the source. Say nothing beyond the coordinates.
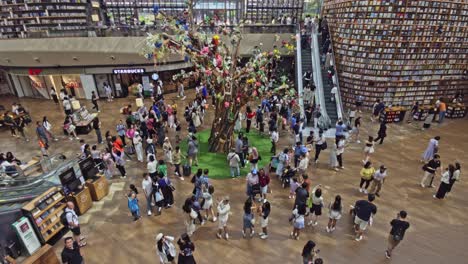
(431, 149)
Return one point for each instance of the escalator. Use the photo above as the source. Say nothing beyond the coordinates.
(330, 105)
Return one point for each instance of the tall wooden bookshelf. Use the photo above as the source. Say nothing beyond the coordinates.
(42, 18)
(399, 51)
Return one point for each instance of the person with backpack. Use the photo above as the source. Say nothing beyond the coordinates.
(234, 162)
(69, 219)
(397, 233)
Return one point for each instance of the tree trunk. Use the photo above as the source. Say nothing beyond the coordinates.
(222, 130)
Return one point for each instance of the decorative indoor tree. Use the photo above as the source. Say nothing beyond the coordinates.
(216, 60)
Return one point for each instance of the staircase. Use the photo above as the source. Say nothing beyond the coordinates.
(327, 86)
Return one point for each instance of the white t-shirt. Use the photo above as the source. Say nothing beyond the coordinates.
(379, 176)
(334, 90)
(147, 186)
(66, 104)
(152, 166)
(71, 216)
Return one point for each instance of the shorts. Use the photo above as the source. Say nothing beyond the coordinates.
(335, 215)
(316, 209)
(361, 223)
(264, 189)
(264, 222)
(76, 231)
(299, 224)
(222, 223)
(207, 205)
(247, 221)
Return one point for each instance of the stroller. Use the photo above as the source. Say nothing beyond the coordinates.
(287, 175)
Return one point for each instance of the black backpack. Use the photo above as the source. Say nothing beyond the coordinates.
(63, 218)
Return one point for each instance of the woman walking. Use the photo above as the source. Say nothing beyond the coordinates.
(283, 160)
(333, 158)
(297, 219)
(367, 172)
(368, 149)
(224, 210)
(432, 148)
(308, 252)
(254, 158)
(334, 213)
(355, 131)
(167, 147)
(315, 203)
(120, 163)
(186, 249)
(445, 182)
(455, 177)
(430, 169)
(191, 215)
(207, 202)
(48, 127)
(166, 248)
(248, 218)
(138, 144)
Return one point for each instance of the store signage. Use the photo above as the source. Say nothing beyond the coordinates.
(137, 70)
(35, 71)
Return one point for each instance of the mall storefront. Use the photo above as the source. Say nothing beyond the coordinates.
(81, 82)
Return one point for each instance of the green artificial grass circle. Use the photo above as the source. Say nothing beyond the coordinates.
(217, 163)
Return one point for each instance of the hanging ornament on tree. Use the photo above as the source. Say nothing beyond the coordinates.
(226, 104)
(215, 40)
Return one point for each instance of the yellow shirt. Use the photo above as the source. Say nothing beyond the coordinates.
(367, 174)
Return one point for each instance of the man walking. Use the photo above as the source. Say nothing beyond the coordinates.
(239, 149)
(74, 224)
(378, 180)
(94, 99)
(71, 253)
(234, 160)
(399, 227)
(42, 133)
(147, 186)
(364, 210)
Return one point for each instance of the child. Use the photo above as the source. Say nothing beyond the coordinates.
(334, 213)
(367, 172)
(298, 221)
(315, 202)
(293, 187)
(207, 203)
(133, 203)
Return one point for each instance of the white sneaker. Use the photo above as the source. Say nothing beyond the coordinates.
(264, 237)
(226, 236)
(365, 191)
(310, 223)
(358, 141)
(328, 229)
(214, 218)
(243, 234)
(203, 222)
(360, 190)
(218, 235)
(252, 233)
(332, 229)
(261, 234)
(315, 223)
(423, 186)
(149, 213)
(358, 238)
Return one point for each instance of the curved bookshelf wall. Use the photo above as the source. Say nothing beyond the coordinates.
(400, 51)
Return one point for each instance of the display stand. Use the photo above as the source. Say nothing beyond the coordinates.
(44, 212)
(455, 111)
(83, 126)
(393, 115)
(45, 254)
(422, 112)
(98, 188)
(82, 200)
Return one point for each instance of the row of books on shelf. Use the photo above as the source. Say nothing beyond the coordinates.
(410, 60)
(383, 81)
(409, 3)
(398, 75)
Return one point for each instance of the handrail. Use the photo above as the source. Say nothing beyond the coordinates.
(324, 120)
(300, 87)
(339, 103)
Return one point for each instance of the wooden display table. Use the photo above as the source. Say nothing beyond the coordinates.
(393, 115)
(45, 255)
(455, 111)
(98, 188)
(422, 112)
(82, 200)
(84, 127)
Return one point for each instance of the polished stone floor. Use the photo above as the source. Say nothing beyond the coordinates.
(437, 234)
